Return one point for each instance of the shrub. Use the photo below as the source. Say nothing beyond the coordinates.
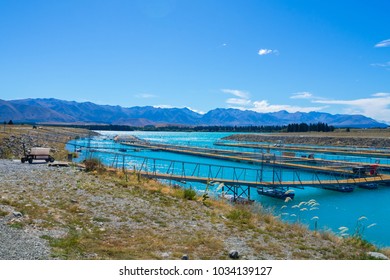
(93, 164)
(3, 213)
(240, 215)
(189, 194)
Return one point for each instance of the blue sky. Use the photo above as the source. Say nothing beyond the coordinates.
(265, 55)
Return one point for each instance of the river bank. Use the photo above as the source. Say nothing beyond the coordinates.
(71, 214)
(65, 213)
(358, 138)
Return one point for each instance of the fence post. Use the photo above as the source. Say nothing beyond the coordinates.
(123, 167)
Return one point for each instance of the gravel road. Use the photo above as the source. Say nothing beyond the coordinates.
(37, 200)
(16, 244)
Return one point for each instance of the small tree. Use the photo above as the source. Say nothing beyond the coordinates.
(10, 122)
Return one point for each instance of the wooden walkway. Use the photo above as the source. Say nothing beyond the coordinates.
(237, 180)
(335, 167)
(241, 189)
(335, 151)
(291, 184)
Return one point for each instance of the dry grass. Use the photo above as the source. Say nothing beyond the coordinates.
(112, 215)
(48, 136)
(369, 133)
(180, 227)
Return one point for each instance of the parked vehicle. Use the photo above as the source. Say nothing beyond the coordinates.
(37, 153)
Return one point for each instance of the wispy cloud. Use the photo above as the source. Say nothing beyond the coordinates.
(164, 106)
(377, 106)
(384, 65)
(238, 101)
(381, 94)
(196, 111)
(263, 106)
(241, 100)
(267, 51)
(145, 95)
(383, 44)
(236, 92)
(302, 95)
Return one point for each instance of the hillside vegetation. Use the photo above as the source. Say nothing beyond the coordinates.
(108, 214)
(376, 138)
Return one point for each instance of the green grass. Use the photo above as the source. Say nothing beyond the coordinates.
(189, 194)
(16, 225)
(241, 216)
(173, 225)
(3, 213)
(68, 247)
(101, 219)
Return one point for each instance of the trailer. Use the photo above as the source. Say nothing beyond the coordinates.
(37, 153)
(369, 169)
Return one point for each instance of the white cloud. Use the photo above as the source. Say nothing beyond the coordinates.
(242, 102)
(196, 111)
(376, 107)
(264, 51)
(145, 95)
(381, 94)
(267, 51)
(263, 106)
(164, 106)
(302, 95)
(384, 65)
(382, 44)
(238, 101)
(236, 92)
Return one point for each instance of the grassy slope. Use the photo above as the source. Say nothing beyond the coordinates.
(110, 215)
(379, 138)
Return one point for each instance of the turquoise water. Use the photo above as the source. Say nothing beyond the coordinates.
(317, 208)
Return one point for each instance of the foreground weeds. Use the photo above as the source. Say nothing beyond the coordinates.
(107, 214)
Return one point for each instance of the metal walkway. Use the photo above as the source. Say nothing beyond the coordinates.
(237, 180)
(311, 165)
(240, 180)
(340, 151)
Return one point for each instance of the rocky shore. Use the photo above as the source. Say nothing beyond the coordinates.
(14, 140)
(67, 213)
(318, 139)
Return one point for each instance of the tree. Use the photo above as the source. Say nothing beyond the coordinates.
(10, 122)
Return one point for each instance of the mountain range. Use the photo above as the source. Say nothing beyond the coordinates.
(54, 111)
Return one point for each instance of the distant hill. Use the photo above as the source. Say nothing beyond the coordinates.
(71, 112)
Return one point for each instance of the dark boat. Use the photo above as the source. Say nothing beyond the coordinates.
(368, 186)
(237, 200)
(341, 188)
(122, 150)
(281, 194)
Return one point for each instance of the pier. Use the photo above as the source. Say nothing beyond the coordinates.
(234, 179)
(239, 181)
(283, 161)
(380, 153)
